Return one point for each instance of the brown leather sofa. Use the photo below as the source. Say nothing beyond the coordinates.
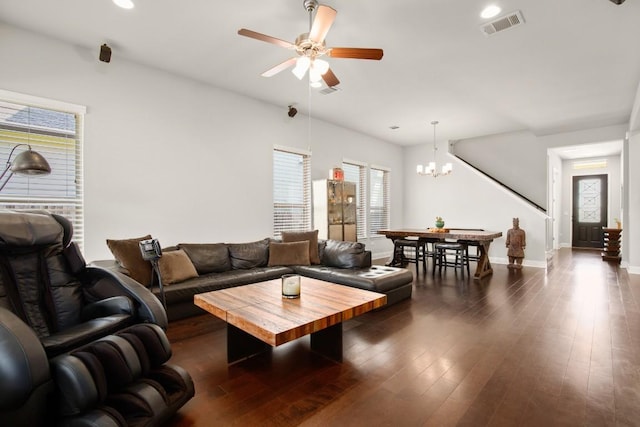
(223, 265)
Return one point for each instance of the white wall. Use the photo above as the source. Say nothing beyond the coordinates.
(554, 200)
(495, 154)
(468, 199)
(172, 157)
(519, 159)
(631, 219)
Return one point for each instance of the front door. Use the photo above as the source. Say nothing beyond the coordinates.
(589, 210)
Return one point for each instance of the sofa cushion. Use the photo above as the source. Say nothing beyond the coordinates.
(127, 253)
(311, 236)
(249, 255)
(343, 254)
(292, 253)
(175, 266)
(208, 257)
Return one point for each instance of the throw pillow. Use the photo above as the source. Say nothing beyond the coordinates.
(208, 257)
(293, 253)
(175, 266)
(311, 236)
(249, 255)
(344, 254)
(127, 253)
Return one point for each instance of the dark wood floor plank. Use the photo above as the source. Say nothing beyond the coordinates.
(556, 348)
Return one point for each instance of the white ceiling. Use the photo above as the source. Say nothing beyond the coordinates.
(574, 64)
(602, 149)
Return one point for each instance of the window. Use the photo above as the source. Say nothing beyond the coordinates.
(54, 130)
(379, 200)
(291, 191)
(357, 172)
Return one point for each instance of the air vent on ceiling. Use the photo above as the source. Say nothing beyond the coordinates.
(502, 23)
(329, 90)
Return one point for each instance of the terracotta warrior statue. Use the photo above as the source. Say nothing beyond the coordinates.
(516, 242)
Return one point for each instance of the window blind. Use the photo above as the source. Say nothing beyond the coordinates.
(56, 135)
(291, 191)
(379, 217)
(358, 173)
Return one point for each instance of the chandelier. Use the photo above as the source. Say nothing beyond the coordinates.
(431, 168)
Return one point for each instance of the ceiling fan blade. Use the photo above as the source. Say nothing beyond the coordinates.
(265, 38)
(355, 52)
(330, 79)
(321, 23)
(280, 67)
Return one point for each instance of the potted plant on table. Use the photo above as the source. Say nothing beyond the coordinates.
(439, 222)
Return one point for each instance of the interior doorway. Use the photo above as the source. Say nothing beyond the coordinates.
(590, 201)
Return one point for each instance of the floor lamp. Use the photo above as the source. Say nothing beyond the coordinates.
(28, 162)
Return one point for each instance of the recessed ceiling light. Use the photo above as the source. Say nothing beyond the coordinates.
(125, 4)
(490, 11)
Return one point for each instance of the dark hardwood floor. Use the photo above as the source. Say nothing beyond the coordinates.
(529, 347)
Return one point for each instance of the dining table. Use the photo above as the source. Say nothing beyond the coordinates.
(480, 238)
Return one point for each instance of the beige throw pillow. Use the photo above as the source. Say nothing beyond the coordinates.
(175, 267)
(311, 236)
(294, 253)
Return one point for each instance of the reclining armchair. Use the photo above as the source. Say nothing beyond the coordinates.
(57, 316)
(123, 379)
(44, 280)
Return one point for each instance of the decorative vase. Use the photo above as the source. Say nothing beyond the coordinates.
(439, 224)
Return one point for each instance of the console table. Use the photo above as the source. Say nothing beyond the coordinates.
(611, 244)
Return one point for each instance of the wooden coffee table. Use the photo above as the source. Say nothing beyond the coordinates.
(258, 318)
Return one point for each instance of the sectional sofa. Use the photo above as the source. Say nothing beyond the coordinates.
(191, 268)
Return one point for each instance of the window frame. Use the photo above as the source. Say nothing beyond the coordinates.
(361, 195)
(384, 212)
(71, 205)
(304, 223)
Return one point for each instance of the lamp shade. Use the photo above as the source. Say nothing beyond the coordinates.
(30, 162)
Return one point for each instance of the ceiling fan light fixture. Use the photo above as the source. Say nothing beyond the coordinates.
(321, 66)
(302, 64)
(311, 45)
(314, 75)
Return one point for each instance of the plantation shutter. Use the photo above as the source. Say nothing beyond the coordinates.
(291, 191)
(55, 134)
(357, 172)
(379, 216)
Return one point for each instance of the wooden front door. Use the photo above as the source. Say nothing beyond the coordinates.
(589, 210)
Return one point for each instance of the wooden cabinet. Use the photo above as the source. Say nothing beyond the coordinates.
(611, 244)
(334, 209)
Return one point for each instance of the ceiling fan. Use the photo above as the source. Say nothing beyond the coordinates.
(311, 46)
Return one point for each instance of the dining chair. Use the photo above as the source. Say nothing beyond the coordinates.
(473, 244)
(417, 252)
(444, 251)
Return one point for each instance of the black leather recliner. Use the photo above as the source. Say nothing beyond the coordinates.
(26, 386)
(119, 380)
(51, 305)
(45, 281)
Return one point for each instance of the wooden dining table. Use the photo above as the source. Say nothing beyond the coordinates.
(481, 238)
